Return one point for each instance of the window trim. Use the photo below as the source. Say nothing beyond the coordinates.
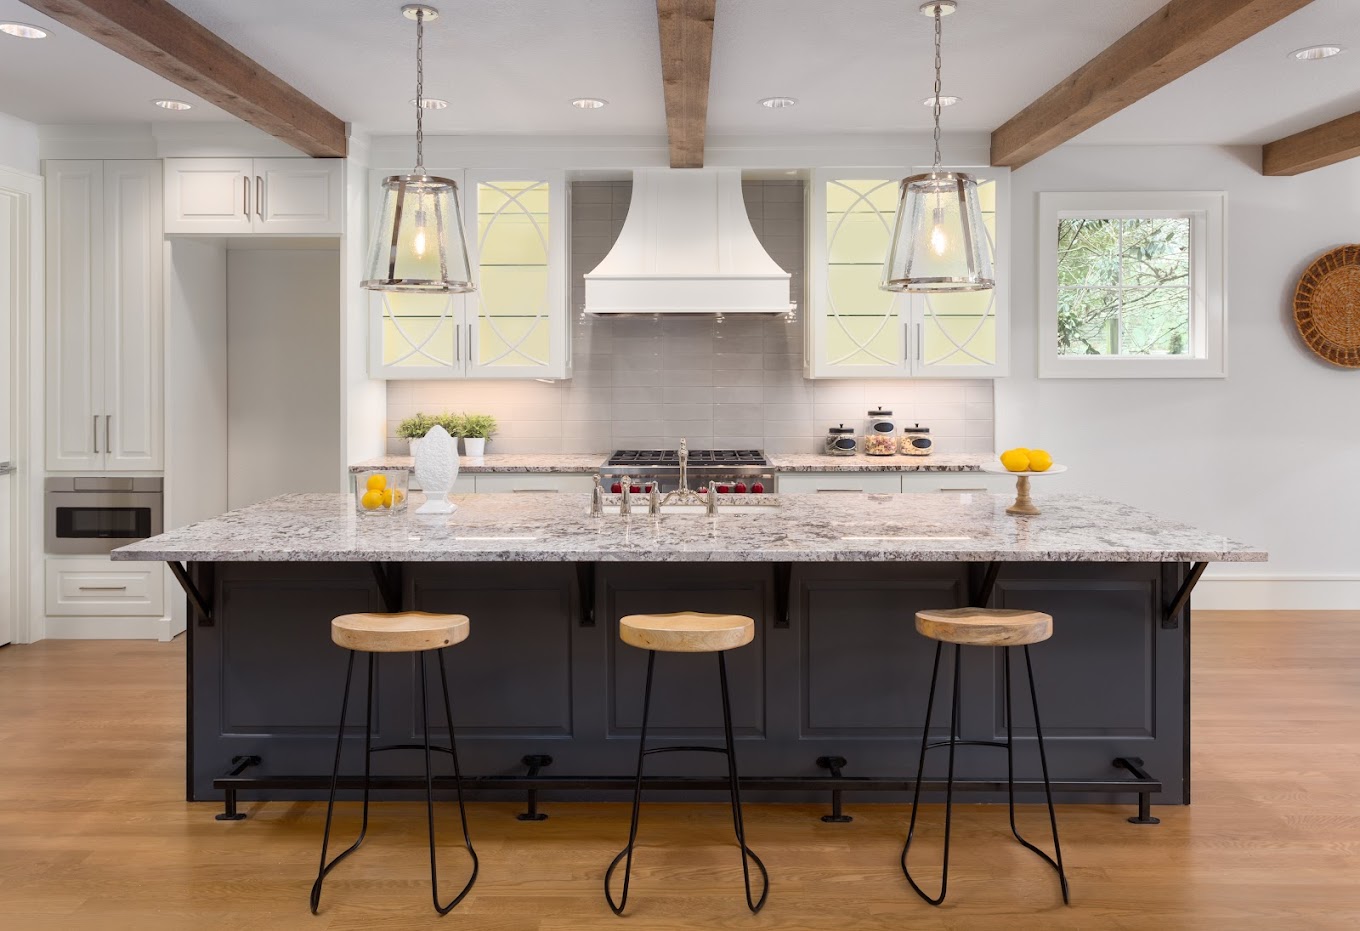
(1209, 331)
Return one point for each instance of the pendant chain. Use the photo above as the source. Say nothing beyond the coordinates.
(420, 94)
(936, 107)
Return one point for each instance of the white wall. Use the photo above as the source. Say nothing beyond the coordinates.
(283, 368)
(1269, 454)
(18, 144)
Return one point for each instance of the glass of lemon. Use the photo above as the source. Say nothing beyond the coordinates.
(381, 491)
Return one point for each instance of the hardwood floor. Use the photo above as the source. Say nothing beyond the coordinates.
(92, 835)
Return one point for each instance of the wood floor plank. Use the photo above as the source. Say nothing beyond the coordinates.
(92, 835)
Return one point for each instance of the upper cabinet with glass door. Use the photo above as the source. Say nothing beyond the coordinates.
(856, 330)
(516, 324)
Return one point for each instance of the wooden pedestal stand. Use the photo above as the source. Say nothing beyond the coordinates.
(1024, 504)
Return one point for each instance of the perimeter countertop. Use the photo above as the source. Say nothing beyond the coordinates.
(786, 528)
(789, 462)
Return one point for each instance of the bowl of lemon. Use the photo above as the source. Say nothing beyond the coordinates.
(381, 491)
(1024, 463)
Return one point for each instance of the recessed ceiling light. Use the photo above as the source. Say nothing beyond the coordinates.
(1316, 52)
(173, 104)
(946, 100)
(431, 103)
(778, 103)
(23, 31)
(589, 103)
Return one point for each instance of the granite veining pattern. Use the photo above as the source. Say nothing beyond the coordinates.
(799, 528)
(787, 462)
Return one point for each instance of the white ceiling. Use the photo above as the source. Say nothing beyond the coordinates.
(854, 65)
(67, 78)
(1255, 92)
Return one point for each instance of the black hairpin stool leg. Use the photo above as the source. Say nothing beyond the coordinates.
(1043, 763)
(949, 785)
(627, 852)
(429, 788)
(735, 788)
(325, 867)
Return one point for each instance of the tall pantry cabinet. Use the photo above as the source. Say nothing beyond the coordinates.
(105, 367)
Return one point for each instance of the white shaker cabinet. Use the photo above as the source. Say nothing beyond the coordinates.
(276, 196)
(105, 369)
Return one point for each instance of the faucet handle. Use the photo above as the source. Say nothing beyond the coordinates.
(654, 499)
(625, 499)
(711, 499)
(597, 499)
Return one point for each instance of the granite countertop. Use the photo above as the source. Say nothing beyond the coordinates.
(784, 528)
(789, 462)
(500, 462)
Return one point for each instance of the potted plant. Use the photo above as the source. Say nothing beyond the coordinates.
(415, 428)
(476, 429)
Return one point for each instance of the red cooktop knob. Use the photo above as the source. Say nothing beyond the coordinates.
(757, 489)
(723, 489)
(740, 488)
(635, 489)
(616, 488)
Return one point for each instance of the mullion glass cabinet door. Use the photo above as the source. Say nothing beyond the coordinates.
(854, 329)
(965, 334)
(517, 318)
(416, 335)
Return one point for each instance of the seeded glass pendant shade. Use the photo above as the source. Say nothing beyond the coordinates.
(419, 246)
(939, 243)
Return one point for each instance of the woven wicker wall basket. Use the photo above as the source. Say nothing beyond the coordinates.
(1327, 306)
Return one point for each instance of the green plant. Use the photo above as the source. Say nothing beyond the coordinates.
(453, 423)
(477, 426)
(413, 428)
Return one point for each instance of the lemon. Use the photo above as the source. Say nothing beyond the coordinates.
(391, 497)
(1016, 460)
(1039, 461)
(376, 482)
(372, 500)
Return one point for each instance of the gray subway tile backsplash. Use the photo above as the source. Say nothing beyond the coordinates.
(739, 382)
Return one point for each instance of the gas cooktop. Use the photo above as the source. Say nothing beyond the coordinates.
(698, 458)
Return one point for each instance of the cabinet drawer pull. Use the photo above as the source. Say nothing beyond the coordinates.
(964, 491)
(537, 491)
(850, 491)
(103, 588)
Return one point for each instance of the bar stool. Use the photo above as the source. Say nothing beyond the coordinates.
(405, 632)
(990, 627)
(688, 633)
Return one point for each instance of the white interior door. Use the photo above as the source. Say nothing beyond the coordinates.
(17, 197)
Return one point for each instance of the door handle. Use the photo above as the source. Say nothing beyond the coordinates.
(259, 197)
(245, 195)
(6, 468)
(457, 344)
(103, 588)
(108, 444)
(96, 432)
(920, 353)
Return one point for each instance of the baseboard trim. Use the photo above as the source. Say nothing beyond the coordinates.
(110, 628)
(1278, 593)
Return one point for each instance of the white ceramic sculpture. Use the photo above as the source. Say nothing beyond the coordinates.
(436, 469)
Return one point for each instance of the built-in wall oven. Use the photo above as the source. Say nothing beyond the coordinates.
(87, 515)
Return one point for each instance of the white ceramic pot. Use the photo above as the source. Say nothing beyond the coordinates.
(475, 447)
(415, 444)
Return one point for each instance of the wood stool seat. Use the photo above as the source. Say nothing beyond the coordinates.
(988, 627)
(687, 632)
(400, 632)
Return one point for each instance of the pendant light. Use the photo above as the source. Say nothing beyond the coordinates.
(419, 246)
(939, 243)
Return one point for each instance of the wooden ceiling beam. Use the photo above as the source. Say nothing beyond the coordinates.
(164, 40)
(686, 53)
(1318, 147)
(1170, 43)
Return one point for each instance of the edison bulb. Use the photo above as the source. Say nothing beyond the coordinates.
(418, 244)
(939, 242)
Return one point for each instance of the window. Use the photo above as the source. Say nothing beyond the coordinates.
(1131, 285)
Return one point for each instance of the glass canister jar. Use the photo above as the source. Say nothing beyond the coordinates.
(880, 434)
(916, 441)
(840, 441)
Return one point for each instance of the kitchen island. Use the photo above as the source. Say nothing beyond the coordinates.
(830, 696)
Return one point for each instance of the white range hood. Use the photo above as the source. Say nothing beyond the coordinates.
(687, 247)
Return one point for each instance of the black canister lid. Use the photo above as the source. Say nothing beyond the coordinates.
(916, 429)
(841, 429)
(880, 413)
